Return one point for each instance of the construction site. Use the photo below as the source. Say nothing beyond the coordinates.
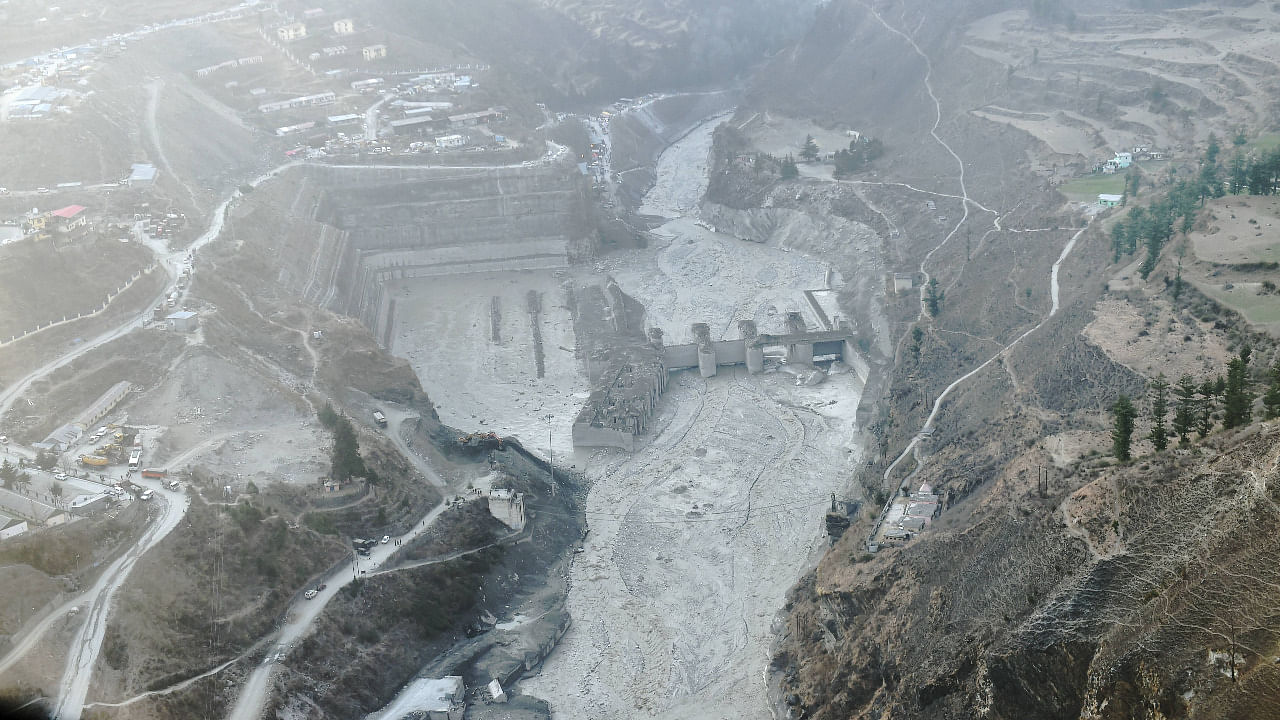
(370, 362)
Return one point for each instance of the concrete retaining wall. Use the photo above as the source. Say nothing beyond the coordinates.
(398, 223)
(585, 435)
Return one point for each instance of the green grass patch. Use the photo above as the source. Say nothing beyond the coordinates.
(1270, 141)
(1244, 299)
(1089, 187)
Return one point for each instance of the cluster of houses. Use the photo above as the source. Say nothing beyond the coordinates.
(346, 26)
(1124, 159)
(42, 85)
(64, 221)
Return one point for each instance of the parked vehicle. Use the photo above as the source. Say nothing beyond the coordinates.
(154, 474)
(379, 419)
(386, 539)
(146, 495)
(309, 594)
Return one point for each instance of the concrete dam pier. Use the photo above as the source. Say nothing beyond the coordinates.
(626, 394)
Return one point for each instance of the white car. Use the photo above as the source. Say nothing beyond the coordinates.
(309, 594)
(386, 539)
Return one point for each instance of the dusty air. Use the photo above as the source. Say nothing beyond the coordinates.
(623, 359)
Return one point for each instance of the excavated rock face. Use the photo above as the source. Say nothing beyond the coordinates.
(1020, 615)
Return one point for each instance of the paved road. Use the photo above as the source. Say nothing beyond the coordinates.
(371, 119)
(88, 640)
(302, 613)
(395, 421)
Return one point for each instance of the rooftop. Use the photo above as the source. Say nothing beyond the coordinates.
(182, 315)
(142, 171)
(411, 121)
(80, 501)
(69, 211)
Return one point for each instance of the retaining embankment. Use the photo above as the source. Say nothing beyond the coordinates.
(367, 226)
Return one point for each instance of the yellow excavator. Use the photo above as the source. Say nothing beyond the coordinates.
(489, 440)
(94, 460)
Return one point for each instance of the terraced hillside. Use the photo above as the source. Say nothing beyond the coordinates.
(1114, 77)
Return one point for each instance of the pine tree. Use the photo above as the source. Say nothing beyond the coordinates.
(933, 297)
(1205, 408)
(1122, 434)
(1159, 434)
(1184, 412)
(809, 151)
(1237, 401)
(1272, 399)
(1211, 152)
(789, 169)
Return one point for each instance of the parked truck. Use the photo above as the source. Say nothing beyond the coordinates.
(94, 460)
(154, 474)
(379, 419)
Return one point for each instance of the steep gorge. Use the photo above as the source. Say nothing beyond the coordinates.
(1140, 591)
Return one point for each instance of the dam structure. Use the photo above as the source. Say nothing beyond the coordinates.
(626, 392)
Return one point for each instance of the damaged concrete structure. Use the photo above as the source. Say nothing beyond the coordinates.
(624, 397)
(508, 507)
(799, 344)
(626, 392)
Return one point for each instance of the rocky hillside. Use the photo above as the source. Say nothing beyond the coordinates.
(1146, 593)
(1130, 590)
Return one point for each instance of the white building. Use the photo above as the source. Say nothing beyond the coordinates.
(496, 692)
(291, 32)
(185, 321)
(373, 52)
(141, 175)
(344, 26)
(433, 698)
(325, 98)
(90, 504)
(450, 141)
(508, 507)
(1123, 159)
